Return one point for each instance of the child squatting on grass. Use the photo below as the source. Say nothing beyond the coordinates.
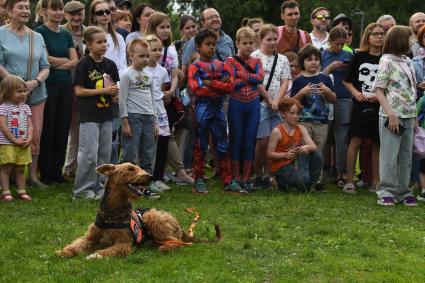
(293, 156)
(15, 135)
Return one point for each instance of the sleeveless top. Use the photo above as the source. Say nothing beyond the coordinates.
(285, 144)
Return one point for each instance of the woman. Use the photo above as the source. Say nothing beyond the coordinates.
(140, 21)
(15, 41)
(364, 118)
(62, 57)
(123, 20)
(335, 62)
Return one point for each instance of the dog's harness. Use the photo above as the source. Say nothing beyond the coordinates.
(138, 227)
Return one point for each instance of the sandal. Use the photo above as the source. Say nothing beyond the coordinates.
(7, 197)
(340, 183)
(25, 197)
(349, 188)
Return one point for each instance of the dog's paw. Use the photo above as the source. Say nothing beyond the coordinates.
(64, 253)
(94, 256)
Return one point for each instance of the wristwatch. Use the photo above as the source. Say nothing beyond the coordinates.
(38, 82)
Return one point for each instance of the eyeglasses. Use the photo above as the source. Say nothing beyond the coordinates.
(322, 17)
(106, 12)
(377, 34)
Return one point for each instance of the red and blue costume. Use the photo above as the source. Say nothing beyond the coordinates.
(244, 114)
(209, 114)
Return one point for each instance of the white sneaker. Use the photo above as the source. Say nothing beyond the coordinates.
(89, 195)
(360, 183)
(162, 186)
(154, 188)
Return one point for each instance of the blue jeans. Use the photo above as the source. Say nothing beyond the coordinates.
(300, 174)
(140, 147)
(395, 160)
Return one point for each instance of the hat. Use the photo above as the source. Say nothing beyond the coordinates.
(73, 6)
(123, 2)
(342, 18)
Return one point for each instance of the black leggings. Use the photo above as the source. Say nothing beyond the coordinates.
(161, 158)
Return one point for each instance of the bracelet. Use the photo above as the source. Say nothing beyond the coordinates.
(38, 82)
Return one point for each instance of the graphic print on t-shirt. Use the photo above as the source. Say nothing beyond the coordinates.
(367, 75)
(101, 81)
(142, 81)
(16, 124)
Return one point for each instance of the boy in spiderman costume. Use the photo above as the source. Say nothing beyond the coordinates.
(209, 80)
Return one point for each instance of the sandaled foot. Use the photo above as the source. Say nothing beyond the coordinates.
(24, 197)
(349, 188)
(234, 187)
(7, 197)
(340, 183)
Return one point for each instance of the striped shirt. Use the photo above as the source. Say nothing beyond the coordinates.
(17, 121)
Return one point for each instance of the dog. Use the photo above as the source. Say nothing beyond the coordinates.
(117, 227)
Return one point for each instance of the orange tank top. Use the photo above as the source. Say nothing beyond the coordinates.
(285, 144)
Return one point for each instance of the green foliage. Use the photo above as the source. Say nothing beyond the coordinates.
(267, 237)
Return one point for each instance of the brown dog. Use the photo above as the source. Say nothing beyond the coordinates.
(117, 226)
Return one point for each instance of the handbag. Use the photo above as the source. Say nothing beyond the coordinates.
(419, 141)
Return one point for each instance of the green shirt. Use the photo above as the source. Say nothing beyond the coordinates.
(58, 44)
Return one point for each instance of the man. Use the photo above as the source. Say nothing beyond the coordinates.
(320, 20)
(417, 20)
(290, 38)
(123, 5)
(386, 21)
(74, 15)
(347, 23)
(225, 47)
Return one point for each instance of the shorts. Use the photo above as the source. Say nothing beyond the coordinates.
(13, 154)
(268, 121)
(365, 121)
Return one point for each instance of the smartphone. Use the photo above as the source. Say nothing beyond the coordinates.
(400, 127)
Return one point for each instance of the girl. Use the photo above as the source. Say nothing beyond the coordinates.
(159, 24)
(273, 89)
(95, 86)
(335, 61)
(315, 92)
(395, 87)
(293, 156)
(139, 23)
(364, 118)
(244, 106)
(15, 135)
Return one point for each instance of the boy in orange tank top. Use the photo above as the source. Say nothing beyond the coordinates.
(293, 156)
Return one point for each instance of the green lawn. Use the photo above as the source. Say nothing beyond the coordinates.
(268, 236)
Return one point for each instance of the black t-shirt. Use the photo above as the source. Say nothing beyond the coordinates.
(362, 73)
(94, 75)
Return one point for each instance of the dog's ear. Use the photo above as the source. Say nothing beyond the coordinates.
(106, 169)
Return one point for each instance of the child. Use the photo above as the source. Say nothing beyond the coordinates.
(137, 108)
(273, 89)
(315, 91)
(160, 78)
(244, 106)
(293, 156)
(95, 85)
(15, 135)
(295, 69)
(210, 80)
(395, 87)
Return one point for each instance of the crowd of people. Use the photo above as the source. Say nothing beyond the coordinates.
(279, 106)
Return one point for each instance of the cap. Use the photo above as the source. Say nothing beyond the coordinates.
(73, 6)
(123, 2)
(342, 18)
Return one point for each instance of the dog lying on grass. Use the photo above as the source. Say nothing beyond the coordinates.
(118, 227)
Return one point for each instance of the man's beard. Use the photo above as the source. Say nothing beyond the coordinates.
(321, 28)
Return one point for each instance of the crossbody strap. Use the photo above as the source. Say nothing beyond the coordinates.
(244, 64)
(164, 57)
(30, 56)
(272, 72)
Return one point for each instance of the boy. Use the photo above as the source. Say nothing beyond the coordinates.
(315, 91)
(210, 80)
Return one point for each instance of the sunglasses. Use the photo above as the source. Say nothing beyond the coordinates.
(106, 12)
(322, 17)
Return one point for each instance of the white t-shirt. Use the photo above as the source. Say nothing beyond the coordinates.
(321, 45)
(172, 60)
(116, 54)
(282, 70)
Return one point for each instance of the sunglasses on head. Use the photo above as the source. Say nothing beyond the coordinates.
(103, 12)
(322, 17)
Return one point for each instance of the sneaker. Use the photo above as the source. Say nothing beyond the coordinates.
(200, 187)
(386, 201)
(235, 188)
(266, 183)
(169, 177)
(36, 184)
(360, 183)
(320, 188)
(99, 194)
(181, 182)
(349, 188)
(162, 186)
(421, 197)
(409, 201)
(69, 176)
(150, 195)
(258, 182)
(88, 195)
(154, 189)
(248, 187)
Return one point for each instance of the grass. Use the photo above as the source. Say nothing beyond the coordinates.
(268, 236)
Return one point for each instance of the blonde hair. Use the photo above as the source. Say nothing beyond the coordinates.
(151, 38)
(364, 44)
(137, 41)
(245, 32)
(9, 85)
(265, 29)
(89, 32)
(154, 21)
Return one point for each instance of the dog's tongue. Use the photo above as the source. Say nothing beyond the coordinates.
(137, 190)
